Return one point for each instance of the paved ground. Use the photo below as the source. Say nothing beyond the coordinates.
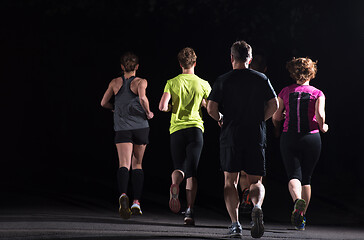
(76, 220)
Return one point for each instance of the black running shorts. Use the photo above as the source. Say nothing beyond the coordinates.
(249, 158)
(136, 136)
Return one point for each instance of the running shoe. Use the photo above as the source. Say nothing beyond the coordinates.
(302, 226)
(297, 213)
(246, 204)
(189, 217)
(135, 209)
(235, 230)
(257, 229)
(124, 209)
(174, 203)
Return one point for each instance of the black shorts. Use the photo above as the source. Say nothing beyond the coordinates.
(186, 148)
(136, 136)
(249, 158)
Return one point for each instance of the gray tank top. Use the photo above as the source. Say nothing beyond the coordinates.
(128, 112)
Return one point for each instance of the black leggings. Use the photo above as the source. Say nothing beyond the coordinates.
(186, 148)
(300, 153)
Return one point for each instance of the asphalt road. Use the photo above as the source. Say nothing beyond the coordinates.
(40, 218)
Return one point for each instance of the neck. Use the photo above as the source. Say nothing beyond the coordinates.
(188, 70)
(240, 65)
(305, 83)
(129, 74)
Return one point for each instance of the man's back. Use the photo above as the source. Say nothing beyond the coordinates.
(242, 94)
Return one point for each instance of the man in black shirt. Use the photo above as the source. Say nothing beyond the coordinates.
(241, 101)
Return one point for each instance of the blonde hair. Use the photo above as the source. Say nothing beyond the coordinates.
(302, 69)
(187, 57)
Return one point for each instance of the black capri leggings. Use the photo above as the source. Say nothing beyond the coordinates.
(186, 148)
(300, 153)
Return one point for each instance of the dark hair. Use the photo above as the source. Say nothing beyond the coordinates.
(259, 63)
(130, 61)
(187, 57)
(241, 51)
(302, 69)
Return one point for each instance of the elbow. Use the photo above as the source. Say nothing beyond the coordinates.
(103, 104)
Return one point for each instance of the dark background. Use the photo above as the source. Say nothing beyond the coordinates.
(57, 58)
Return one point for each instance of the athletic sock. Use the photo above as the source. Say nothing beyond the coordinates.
(137, 180)
(123, 179)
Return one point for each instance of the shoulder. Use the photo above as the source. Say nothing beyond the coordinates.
(140, 81)
(116, 82)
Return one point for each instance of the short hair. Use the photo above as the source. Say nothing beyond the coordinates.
(130, 61)
(187, 57)
(302, 69)
(241, 51)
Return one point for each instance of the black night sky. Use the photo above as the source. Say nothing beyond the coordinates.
(57, 58)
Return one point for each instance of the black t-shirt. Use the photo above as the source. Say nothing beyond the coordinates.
(241, 95)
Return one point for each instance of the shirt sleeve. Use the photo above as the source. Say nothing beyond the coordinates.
(270, 91)
(320, 94)
(207, 90)
(216, 92)
(167, 88)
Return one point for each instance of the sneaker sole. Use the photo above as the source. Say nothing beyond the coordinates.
(174, 203)
(189, 221)
(136, 211)
(257, 229)
(297, 213)
(124, 209)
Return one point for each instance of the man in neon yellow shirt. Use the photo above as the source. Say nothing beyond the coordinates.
(188, 93)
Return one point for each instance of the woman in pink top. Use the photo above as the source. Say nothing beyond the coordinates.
(302, 107)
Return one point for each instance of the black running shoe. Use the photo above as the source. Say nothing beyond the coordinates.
(124, 209)
(297, 217)
(257, 229)
(235, 230)
(189, 218)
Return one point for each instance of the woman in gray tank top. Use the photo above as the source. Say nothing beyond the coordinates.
(131, 114)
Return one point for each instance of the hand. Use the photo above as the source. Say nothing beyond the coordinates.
(325, 128)
(150, 115)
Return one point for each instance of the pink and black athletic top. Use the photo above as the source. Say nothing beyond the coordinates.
(299, 102)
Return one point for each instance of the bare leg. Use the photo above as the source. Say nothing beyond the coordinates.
(295, 189)
(231, 195)
(177, 177)
(243, 181)
(138, 153)
(125, 151)
(191, 190)
(257, 190)
(306, 195)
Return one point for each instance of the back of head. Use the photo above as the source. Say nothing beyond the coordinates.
(302, 69)
(241, 51)
(259, 63)
(130, 61)
(187, 57)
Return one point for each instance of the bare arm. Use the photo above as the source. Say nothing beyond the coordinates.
(142, 87)
(213, 111)
(278, 116)
(105, 102)
(163, 104)
(320, 114)
(204, 103)
(270, 108)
